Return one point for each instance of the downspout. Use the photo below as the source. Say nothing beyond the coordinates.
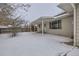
(75, 21)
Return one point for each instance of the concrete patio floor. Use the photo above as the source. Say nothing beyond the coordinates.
(33, 44)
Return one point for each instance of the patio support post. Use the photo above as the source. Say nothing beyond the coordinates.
(75, 18)
(42, 28)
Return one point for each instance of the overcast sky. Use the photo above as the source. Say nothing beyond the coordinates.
(41, 9)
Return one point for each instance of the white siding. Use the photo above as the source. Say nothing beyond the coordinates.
(67, 27)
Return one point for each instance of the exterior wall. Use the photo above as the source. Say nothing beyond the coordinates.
(67, 27)
(77, 23)
(66, 30)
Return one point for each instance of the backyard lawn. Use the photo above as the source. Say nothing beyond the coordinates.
(34, 44)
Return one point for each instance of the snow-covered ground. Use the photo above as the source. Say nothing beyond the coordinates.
(34, 44)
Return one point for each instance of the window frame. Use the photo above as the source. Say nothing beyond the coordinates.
(56, 24)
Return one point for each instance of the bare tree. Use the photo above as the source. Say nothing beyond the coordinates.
(15, 24)
(9, 10)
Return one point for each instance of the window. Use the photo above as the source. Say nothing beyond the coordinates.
(39, 25)
(55, 24)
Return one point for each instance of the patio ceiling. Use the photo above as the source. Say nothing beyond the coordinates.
(66, 7)
(63, 15)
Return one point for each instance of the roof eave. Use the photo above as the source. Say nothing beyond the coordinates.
(67, 7)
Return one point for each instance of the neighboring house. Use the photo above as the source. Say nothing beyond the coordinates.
(9, 29)
(4, 29)
(66, 24)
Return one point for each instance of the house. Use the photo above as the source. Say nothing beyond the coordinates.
(74, 9)
(66, 24)
(58, 25)
(4, 29)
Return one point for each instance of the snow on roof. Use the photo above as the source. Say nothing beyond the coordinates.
(1, 26)
(46, 17)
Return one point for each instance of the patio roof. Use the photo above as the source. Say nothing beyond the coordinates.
(44, 18)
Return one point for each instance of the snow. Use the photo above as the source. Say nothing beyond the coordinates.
(3, 26)
(34, 44)
(74, 52)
